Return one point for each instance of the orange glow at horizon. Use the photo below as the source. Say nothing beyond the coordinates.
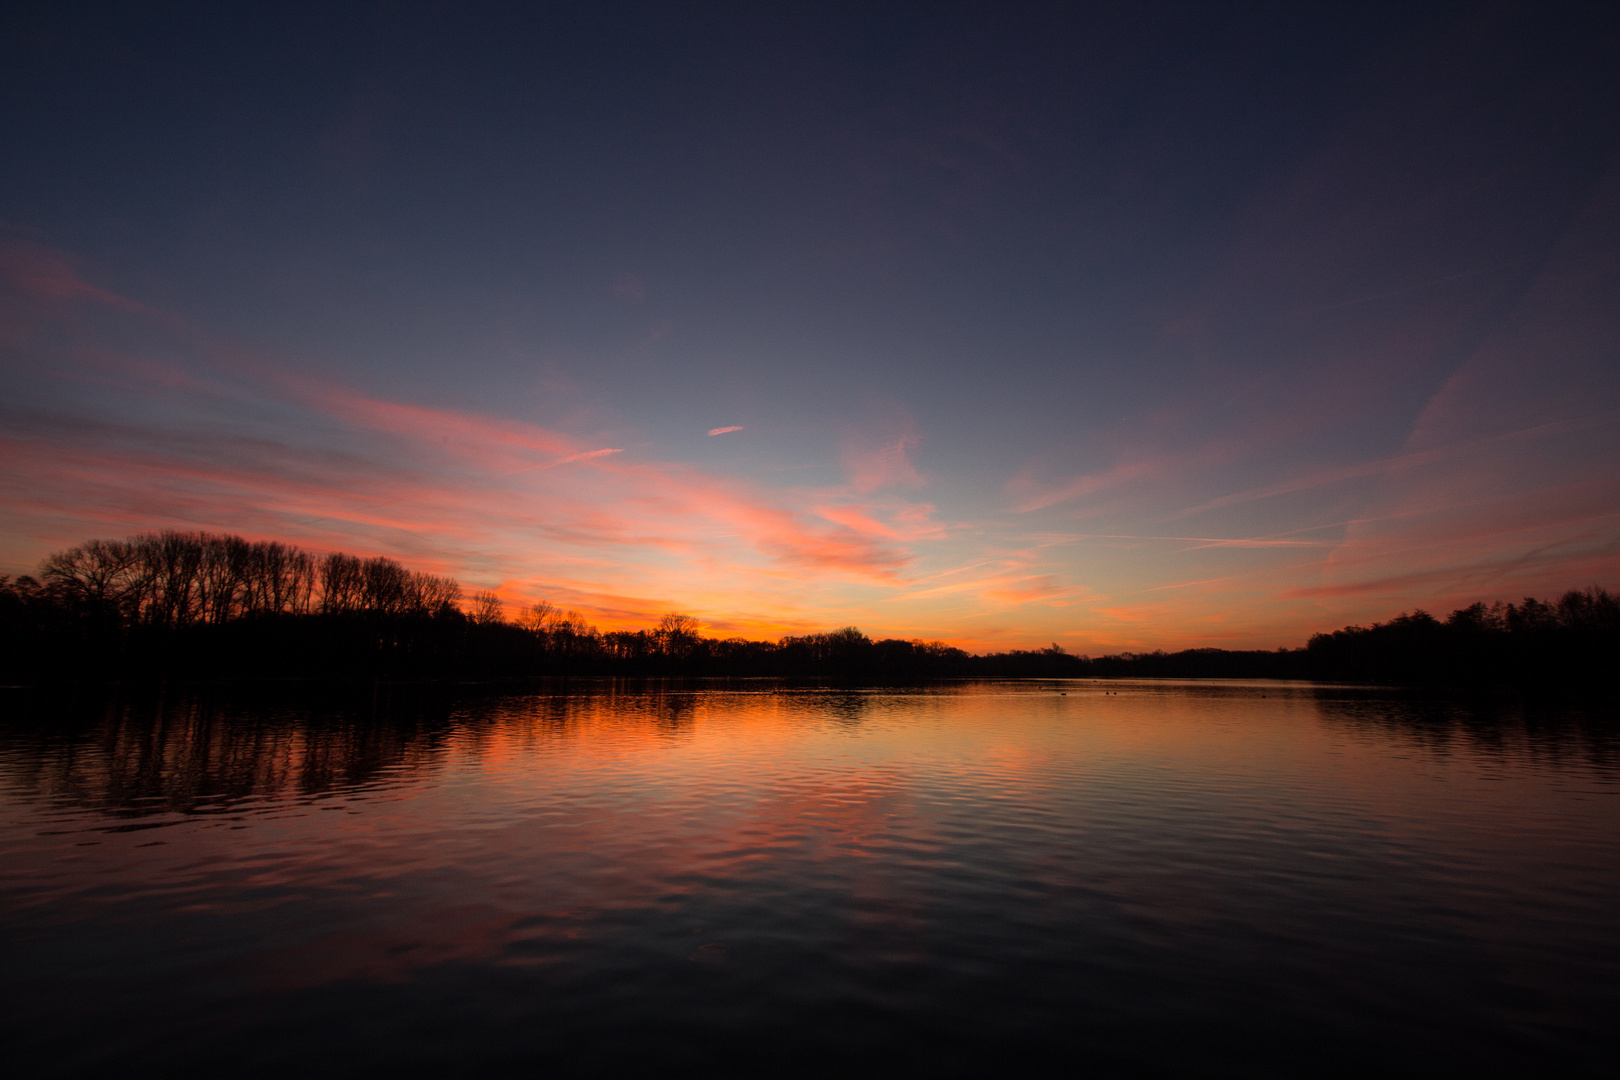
(212, 436)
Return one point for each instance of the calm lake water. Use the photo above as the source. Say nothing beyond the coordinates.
(1066, 877)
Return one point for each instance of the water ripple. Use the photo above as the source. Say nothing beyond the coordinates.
(1135, 877)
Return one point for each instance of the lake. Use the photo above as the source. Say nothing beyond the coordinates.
(1113, 878)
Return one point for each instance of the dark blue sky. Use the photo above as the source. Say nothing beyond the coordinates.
(1116, 325)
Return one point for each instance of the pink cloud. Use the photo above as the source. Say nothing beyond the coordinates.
(167, 426)
(875, 463)
(1031, 495)
(475, 494)
(905, 521)
(42, 274)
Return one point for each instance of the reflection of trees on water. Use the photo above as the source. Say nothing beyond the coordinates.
(674, 713)
(845, 709)
(667, 707)
(1518, 727)
(214, 751)
(197, 753)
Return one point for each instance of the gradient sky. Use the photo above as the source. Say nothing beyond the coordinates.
(1134, 327)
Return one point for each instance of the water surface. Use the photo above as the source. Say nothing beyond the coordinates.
(1069, 877)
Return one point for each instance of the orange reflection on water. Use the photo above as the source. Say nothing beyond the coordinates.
(374, 839)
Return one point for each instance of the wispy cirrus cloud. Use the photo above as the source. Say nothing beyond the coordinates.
(224, 439)
(120, 417)
(1396, 463)
(1030, 494)
(1213, 541)
(879, 458)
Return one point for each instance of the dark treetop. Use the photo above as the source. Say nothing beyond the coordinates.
(196, 605)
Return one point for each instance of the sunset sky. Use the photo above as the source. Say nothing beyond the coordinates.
(1119, 327)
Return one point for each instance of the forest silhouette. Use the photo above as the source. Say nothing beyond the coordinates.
(204, 606)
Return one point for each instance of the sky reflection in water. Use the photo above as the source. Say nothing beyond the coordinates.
(1136, 877)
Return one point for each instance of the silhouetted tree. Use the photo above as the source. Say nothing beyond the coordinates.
(536, 616)
(486, 608)
(342, 584)
(177, 602)
(677, 635)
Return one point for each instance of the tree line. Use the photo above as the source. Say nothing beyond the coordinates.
(201, 604)
(1575, 637)
(175, 579)
(204, 605)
